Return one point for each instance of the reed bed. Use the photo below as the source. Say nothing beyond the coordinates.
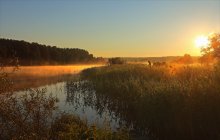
(164, 102)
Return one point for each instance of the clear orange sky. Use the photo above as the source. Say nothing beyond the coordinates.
(112, 28)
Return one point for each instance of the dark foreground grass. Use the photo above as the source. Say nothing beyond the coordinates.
(30, 117)
(70, 127)
(162, 102)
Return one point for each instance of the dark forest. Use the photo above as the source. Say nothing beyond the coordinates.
(37, 54)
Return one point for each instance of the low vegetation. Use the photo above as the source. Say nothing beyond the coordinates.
(162, 102)
(72, 127)
(116, 60)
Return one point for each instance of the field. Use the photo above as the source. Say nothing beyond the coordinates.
(161, 102)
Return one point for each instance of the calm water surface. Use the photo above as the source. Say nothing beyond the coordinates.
(80, 102)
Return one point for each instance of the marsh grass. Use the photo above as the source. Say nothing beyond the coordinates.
(162, 102)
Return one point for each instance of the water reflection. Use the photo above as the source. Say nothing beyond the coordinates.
(81, 96)
(79, 99)
(156, 117)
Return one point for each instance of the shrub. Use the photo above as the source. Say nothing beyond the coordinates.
(116, 60)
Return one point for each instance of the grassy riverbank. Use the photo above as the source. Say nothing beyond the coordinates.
(162, 102)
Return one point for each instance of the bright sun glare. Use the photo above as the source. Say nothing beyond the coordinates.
(201, 41)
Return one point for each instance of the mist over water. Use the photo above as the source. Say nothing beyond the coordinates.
(35, 76)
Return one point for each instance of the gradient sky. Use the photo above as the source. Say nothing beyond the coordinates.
(112, 28)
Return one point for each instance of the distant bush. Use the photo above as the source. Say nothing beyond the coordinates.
(116, 60)
(160, 64)
(186, 59)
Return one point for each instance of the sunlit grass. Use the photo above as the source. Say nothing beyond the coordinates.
(165, 102)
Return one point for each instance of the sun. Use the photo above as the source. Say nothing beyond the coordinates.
(202, 42)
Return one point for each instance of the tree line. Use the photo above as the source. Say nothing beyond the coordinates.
(37, 54)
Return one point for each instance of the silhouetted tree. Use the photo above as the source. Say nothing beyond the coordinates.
(214, 46)
(207, 58)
